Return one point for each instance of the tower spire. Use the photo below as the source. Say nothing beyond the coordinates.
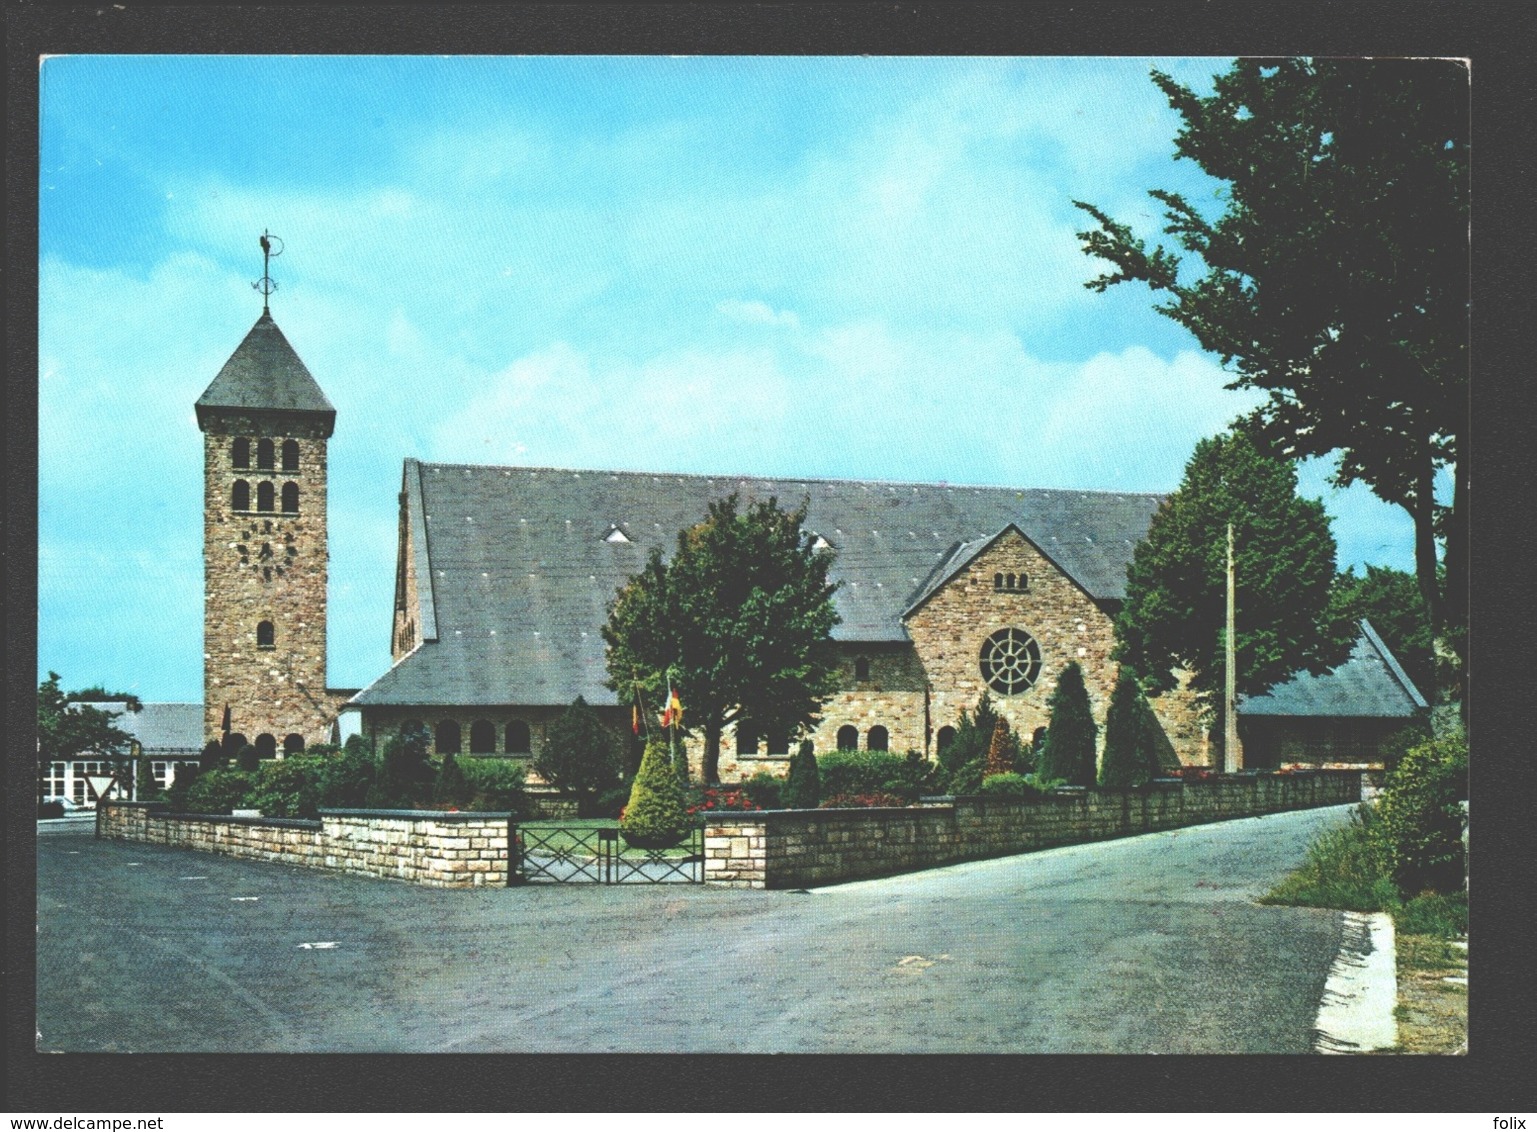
(266, 284)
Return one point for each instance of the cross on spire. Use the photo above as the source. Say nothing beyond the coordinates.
(266, 284)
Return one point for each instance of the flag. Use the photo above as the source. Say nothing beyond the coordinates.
(226, 719)
(673, 716)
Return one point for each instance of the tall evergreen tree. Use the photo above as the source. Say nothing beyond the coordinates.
(1336, 280)
(1131, 737)
(655, 817)
(803, 789)
(580, 753)
(741, 617)
(1068, 751)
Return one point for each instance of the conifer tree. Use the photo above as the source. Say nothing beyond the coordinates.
(1000, 752)
(655, 817)
(1131, 738)
(1068, 752)
(451, 786)
(146, 788)
(803, 790)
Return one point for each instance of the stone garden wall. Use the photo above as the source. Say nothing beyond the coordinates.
(443, 850)
(799, 848)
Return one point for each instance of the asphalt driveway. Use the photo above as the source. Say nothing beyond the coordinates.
(1144, 945)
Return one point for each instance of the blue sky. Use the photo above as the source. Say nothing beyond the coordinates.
(845, 267)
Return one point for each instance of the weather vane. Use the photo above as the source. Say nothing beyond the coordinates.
(266, 284)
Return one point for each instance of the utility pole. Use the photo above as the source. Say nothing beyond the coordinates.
(1230, 673)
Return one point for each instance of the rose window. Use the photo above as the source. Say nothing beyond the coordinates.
(1011, 661)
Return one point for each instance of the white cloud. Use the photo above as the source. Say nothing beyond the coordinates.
(756, 311)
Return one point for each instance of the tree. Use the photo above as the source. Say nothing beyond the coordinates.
(655, 817)
(1336, 280)
(1001, 750)
(1131, 737)
(1174, 613)
(1067, 754)
(451, 786)
(580, 755)
(803, 788)
(1419, 818)
(405, 774)
(1391, 601)
(145, 789)
(68, 728)
(740, 617)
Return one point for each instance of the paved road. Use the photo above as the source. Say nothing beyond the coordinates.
(1144, 945)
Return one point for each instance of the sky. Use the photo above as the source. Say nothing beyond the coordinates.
(802, 266)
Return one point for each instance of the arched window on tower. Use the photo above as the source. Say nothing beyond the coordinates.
(945, 737)
(290, 498)
(518, 739)
(264, 495)
(264, 453)
(293, 744)
(848, 738)
(265, 635)
(241, 455)
(240, 498)
(448, 737)
(482, 737)
(266, 746)
(290, 455)
(876, 739)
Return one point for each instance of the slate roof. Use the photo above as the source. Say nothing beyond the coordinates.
(1370, 684)
(163, 729)
(521, 570)
(265, 372)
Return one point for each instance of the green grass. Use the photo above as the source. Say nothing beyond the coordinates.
(1442, 916)
(1340, 871)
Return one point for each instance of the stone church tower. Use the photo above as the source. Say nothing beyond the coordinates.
(265, 423)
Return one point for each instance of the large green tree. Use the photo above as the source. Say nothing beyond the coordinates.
(1335, 280)
(1175, 609)
(741, 617)
(68, 728)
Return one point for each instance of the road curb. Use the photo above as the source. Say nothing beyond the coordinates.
(1356, 1014)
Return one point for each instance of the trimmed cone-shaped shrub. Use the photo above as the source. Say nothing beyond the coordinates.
(147, 791)
(655, 817)
(1131, 738)
(1000, 752)
(1070, 730)
(1418, 831)
(803, 790)
(450, 786)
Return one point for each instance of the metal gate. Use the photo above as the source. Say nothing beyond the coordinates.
(580, 855)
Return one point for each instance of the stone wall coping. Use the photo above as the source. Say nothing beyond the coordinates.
(281, 823)
(446, 816)
(747, 817)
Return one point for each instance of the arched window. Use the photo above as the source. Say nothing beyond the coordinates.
(290, 498)
(861, 668)
(264, 494)
(290, 455)
(240, 456)
(945, 737)
(240, 498)
(518, 739)
(997, 581)
(777, 742)
(265, 635)
(264, 453)
(1010, 583)
(293, 744)
(482, 737)
(448, 738)
(848, 738)
(746, 739)
(266, 746)
(876, 739)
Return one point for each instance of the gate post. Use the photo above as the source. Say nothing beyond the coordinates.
(514, 853)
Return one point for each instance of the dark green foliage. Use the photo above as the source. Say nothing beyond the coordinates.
(740, 616)
(1176, 586)
(347, 774)
(679, 752)
(68, 727)
(1010, 785)
(803, 788)
(405, 774)
(1131, 738)
(181, 785)
(973, 735)
(1068, 749)
(580, 755)
(498, 784)
(1336, 275)
(1342, 870)
(1444, 915)
(1418, 833)
(289, 787)
(967, 778)
(1398, 744)
(450, 786)
(146, 790)
(655, 817)
(1392, 602)
(248, 759)
(220, 791)
(50, 809)
(766, 790)
(851, 773)
(213, 756)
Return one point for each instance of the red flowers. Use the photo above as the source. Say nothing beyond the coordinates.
(722, 798)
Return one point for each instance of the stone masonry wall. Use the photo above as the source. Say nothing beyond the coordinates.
(265, 566)
(441, 850)
(797, 848)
